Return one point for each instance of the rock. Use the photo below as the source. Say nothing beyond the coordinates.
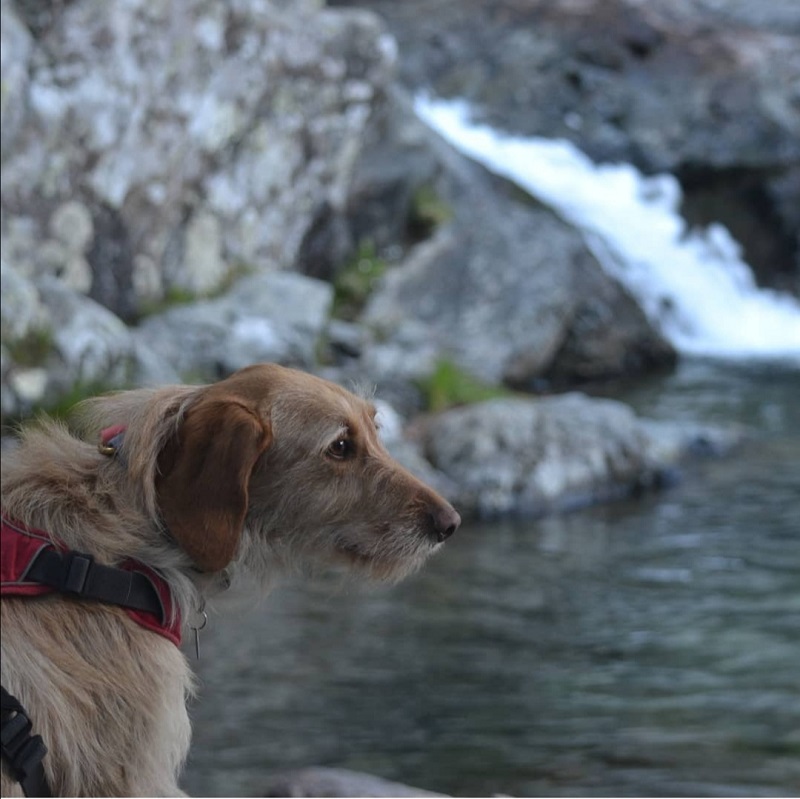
(71, 223)
(395, 163)
(173, 177)
(534, 457)
(276, 316)
(393, 166)
(509, 292)
(204, 266)
(200, 138)
(705, 89)
(16, 46)
(26, 343)
(21, 312)
(607, 336)
(656, 85)
(58, 342)
(94, 347)
(28, 387)
(319, 781)
(345, 339)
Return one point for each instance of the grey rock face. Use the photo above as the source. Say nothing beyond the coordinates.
(16, 45)
(197, 137)
(157, 165)
(22, 311)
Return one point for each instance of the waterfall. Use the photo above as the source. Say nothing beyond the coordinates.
(692, 284)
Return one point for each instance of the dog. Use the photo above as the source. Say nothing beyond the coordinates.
(265, 472)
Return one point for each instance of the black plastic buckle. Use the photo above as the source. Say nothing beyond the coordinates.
(77, 572)
(15, 730)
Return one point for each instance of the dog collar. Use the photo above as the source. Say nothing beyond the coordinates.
(111, 440)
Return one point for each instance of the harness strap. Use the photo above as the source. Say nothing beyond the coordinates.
(78, 574)
(23, 751)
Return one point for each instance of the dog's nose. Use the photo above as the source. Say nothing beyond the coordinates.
(445, 521)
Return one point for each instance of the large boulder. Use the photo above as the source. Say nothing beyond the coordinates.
(509, 292)
(156, 150)
(535, 457)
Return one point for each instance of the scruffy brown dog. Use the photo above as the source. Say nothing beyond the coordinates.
(264, 471)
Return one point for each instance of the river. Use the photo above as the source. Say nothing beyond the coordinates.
(646, 647)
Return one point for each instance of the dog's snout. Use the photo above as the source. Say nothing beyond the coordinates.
(446, 521)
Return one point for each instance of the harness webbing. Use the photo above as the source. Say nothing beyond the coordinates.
(34, 563)
(76, 573)
(23, 752)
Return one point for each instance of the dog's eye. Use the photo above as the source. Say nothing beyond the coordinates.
(341, 448)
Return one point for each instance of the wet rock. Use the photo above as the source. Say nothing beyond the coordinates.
(534, 457)
(657, 85)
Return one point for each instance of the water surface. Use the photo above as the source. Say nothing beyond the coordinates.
(648, 647)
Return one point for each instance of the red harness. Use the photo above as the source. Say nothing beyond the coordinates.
(23, 546)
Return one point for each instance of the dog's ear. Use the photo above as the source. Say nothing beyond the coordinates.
(204, 476)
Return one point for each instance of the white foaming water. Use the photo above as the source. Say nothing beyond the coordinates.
(693, 284)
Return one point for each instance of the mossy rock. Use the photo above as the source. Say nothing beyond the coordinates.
(356, 281)
(449, 385)
(32, 349)
(175, 296)
(427, 212)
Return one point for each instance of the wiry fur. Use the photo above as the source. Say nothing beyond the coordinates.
(243, 475)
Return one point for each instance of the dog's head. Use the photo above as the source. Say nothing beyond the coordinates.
(275, 463)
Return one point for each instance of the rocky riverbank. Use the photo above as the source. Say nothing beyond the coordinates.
(193, 187)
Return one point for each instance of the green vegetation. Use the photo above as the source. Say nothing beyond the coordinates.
(173, 296)
(178, 295)
(355, 282)
(32, 349)
(428, 211)
(450, 385)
